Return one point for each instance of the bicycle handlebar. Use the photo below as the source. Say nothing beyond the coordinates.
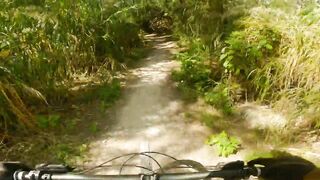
(227, 174)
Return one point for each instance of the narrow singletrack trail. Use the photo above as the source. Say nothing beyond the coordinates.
(150, 116)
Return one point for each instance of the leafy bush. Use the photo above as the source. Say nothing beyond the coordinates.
(225, 144)
(195, 68)
(197, 74)
(220, 98)
(290, 68)
(270, 53)
(249, 49)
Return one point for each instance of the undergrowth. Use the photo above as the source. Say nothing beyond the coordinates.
(226, 145)
(56, 56)
(46, 45)
(259, 51)
(196, 77)
(236, 51)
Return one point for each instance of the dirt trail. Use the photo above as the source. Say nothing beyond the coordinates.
(151, 116)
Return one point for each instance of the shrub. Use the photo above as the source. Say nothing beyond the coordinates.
(294, 73)
(271, 51)
(195, 67)
(220, 98)
(274, 55)
(249, 49)
(226, 145)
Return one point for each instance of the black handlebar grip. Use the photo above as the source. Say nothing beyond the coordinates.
(7, 169)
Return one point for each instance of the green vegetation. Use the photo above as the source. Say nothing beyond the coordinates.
(219, 97)
(51, 121)
(265, 51)
(66, 53)
(60, 55)
(226, 145)
(46, 45)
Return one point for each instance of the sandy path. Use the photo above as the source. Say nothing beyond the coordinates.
(150, 116)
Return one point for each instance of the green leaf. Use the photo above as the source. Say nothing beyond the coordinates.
(269, 46)
(226, 145)
(223, 56)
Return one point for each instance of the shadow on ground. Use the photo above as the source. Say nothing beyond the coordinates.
(150, 116)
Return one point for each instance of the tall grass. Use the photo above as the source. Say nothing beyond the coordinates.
(45, 45)
(12, 103)
(266, 50)
(289, 57)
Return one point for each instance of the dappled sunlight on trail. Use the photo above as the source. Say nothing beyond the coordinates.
(151, 116)
(154, 73)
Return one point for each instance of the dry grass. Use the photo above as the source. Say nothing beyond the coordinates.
(11, 92)
(294, 73)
